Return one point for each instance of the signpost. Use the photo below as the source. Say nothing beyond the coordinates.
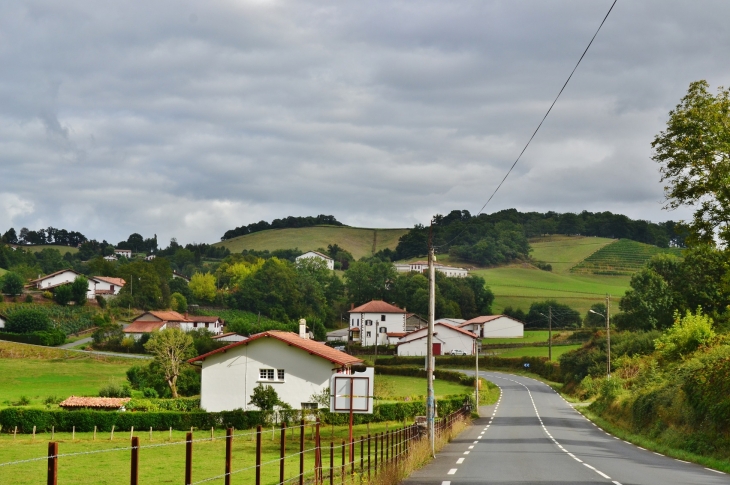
(353, 394)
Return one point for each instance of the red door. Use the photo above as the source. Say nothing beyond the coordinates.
(436, 349)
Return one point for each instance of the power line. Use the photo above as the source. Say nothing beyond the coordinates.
(544, 117)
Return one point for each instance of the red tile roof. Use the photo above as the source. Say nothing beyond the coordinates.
(314, 348)
(377, 306)
(143, 327)
(54, 274)
(94, 402)
(110, 280)
(396, 334)
(461, 330)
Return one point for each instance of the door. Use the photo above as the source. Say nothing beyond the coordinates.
(436, 349)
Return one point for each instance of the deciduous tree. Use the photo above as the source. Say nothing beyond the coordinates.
(171, 347)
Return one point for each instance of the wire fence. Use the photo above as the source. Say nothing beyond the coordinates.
(344, 461)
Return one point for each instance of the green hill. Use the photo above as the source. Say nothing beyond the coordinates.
(623, 257)
(565, 252)
(61, 249)
(357, 240)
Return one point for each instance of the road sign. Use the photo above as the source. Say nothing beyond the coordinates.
(352, 392)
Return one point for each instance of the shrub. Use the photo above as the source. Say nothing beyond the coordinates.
(47, 295)
(264, 397)
(11, 284)
(29, 298)
(79, 289)
(101, 301)
(115, 390)
(150, 392)
(27, 320)
(63, 295)
(686, 335)
(178, 302)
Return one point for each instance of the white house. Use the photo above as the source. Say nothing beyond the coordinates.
(150, 257)
(451, 321)
(127, 253)
(315, 254)
(150, 322)
(175, 274)
(370, 323)
(111, 257)
(229, 337)
(107, 286)
(212, 324)
(495, 326)
(59, 278)
(295, 366)
(446, 338)
(422, 267)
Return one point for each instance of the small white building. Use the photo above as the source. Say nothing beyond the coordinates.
(495, 326)
(229, 337)
(212, 324)
(295, 366)
(107, 286)
(316, 254)
(63, 277)
(111, 257)
(341, 335)
(446, 338)
(175, 274)
(370, 323)
(149, 257)
(127, 253)
(422, 267)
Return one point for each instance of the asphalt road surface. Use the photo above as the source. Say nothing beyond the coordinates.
(533, 436)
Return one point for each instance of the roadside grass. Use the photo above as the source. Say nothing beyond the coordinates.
(389, 387)
(564, 252)
(358, 241)
(38, 379)
(649, 444)
(558, 350)
(166, 464)
(530, 337)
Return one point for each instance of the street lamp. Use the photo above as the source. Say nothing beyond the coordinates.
(608, 337)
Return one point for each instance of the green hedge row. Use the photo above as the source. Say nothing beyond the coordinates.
(85, 420)
(413, 371)
(537, 365)
(48, 338)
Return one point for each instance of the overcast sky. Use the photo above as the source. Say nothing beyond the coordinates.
(188, 118)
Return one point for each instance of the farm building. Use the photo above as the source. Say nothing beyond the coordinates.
(341, 335)
(294, 365)
(422, 267)
(370, 323)
(414, 322)
(316, 254)
(446, 338)
(495, 326)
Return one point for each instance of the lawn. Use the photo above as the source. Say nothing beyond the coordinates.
(166, 464)
(564, 252)
(37, 379)
(558, 350)
(399, 387)
(358, 241)
(531, 336)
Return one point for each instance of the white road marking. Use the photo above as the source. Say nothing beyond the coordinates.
(657, 453)
(476, 442)
(445, 483)
(459, 461)
(639, 447)
(452, 471)
(614, 483)
(466, 452)
(681, 461)
(603, 475)
(471, 447)
(716, 471)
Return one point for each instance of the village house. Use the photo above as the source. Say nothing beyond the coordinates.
(175, 274)
(63, 277)
(495, 326)
(212, 324)
(341, 335)
(446, 339)
(414, 322)
(105, 403)
(107, 286)
(111, 257)
(370, 323)
(422, 267)
(229, 337)
(127, 253)
(3, 319)
(156, 321)
(295, 366)
(316, 254)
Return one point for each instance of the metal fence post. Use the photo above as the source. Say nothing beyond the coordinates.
(368, 456)
(188, 458)
(52, 463)
(134, 479)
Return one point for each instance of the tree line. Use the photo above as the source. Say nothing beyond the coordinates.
(286, 222)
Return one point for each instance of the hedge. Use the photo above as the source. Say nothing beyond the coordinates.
(85, 420)
(413, 371)
(48, 338)
(537, 365)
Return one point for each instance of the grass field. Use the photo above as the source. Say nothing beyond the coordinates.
(356, 240)
(531, 337)
(61, 249)
(535, 351)
(519, 286)
(394, 387)
(564, 252)
(622, 257)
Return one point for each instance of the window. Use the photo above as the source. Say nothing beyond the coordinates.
(310, 405)
(271, 375)
(382, 318)
(368, 322)
(370, 334)
(382, 330)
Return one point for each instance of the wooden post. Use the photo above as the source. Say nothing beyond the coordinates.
(94, 433)
(52, 463)
(258, 455)
(342, 466)
(301, 452)
(282, 452)
(387, 448)
(362, 456)
(376, 453)
(150, 433)
(33, 433)
(188, 458)
(229, 450)
(53, 431)
(131, 433)
(111, 438)
(332, 463)
(211, 433)
(317, 454)
(73, 433)
(15, 432)
(170, 433)
(368, 456)
(134, 480)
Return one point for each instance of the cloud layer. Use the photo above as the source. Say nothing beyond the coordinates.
(185, 119)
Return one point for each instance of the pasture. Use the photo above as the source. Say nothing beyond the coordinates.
(358, 241)
(564, 252)
(558, 350)
(61, 249)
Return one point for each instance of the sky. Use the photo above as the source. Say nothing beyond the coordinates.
(188, 118)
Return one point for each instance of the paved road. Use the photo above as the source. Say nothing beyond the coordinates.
(71, 345)
(534, 437)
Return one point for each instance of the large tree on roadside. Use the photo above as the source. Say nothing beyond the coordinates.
(171, 348)
(694, 153)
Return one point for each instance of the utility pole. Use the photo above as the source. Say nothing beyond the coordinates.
(476, 374)
(430, 401)
(608, 336)
(550, 333)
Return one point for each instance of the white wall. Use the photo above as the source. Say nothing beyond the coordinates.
(394, 322)
(330, 262)
(104, 285)
(503, 327)
(229, 378)
(65, 277)
(448, 338)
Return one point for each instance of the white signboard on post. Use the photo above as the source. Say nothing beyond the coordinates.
(352, 392)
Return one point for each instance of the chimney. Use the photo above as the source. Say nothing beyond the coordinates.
(186, 315)
(352, 306)
(303, 329)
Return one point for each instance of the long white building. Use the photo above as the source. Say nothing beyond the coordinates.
(422, 267)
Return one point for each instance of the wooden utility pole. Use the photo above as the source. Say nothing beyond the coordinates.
(608, 336)
(430, 398)
(550, 333)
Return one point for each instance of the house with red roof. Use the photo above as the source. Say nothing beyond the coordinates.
(371, 323)
(106, 285)
(156, 321)
(495, 326)
(447, 339)
(294, 365)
